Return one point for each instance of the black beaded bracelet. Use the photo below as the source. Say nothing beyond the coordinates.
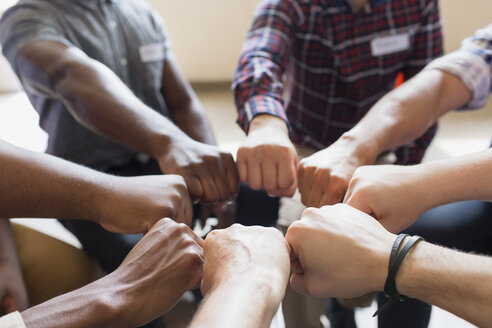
(396, 258)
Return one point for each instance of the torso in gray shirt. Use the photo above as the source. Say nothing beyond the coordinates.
(125, 35)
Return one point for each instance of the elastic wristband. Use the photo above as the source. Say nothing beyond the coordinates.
(396, 258)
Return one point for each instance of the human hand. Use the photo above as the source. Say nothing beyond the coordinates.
(210, 172)
(240, 254)
(134, 205)
(395, 195)
(13, 293)
(338, 251)
(163, 265)
(323, 177)
(267, 158)
(225, 213)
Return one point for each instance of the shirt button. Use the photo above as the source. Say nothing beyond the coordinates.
(112, 24)
(123, 61)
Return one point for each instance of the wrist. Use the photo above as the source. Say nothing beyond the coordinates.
(270, 122)
(409, 273)
(363, 151)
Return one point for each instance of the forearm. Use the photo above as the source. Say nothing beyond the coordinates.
(100, 101)
(460, 283)
(39, 185)
(238, 304)
(458, 179)
(407, 112)
(95, 96)
(94, 305)
(191, 119)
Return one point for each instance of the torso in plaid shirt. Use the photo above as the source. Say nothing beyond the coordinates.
(321, 66)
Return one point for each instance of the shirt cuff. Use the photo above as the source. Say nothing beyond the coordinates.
(471, 69)
(12, 320)
(258, 105)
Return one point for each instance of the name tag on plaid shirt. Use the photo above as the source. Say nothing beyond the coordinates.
(390, 44)
(152, 52)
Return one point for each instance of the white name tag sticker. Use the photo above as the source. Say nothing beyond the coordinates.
(152, 52)
(390, 44)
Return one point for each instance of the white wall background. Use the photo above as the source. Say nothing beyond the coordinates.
(207, 35)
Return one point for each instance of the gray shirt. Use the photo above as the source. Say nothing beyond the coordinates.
(125, 35)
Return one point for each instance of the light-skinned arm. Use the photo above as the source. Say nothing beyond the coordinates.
(355, 257)
(100, 101)
(152, 278)
(398, 195)
(245, 275)
(401, 116)
(267, 158)
(40, 185)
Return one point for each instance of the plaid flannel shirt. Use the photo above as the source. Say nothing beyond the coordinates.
(472, 63)
(312, 64)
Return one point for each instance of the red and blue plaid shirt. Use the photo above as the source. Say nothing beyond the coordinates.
(311, 64)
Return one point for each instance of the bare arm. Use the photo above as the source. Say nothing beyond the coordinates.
(99, 100)
(407, 112)
(398, 195)
(40, 185)
(245, 275)
(95, 96)
(356, 256)
(187, 111)
(458, 282)
(161, 267)
(399, 117)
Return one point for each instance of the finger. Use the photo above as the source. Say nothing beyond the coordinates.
(187, 209)
(210, 193)
(287, 173)
(307, 185)
(222, 185)
(330, 198)
(205, 212)
(316, 190)
(232, 174)
(194, 187)
(196, 238)
(254, 175)
(298, 283)
(269, 175)
(300, 177)
(242, 165)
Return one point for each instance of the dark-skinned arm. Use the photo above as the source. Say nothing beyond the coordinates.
(40, 185)
(187, 111)
(100, 101)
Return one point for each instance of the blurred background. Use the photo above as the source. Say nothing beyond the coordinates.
(207, 37)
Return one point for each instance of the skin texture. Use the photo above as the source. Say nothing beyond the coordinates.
(355, 256)
(245, 275)
(397, 195)
(399, 117)
(55, 70)
(354, 247)
(40, 185)
(155, 274)
(13, 293)
(267, 158)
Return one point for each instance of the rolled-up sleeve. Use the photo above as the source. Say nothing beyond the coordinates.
(472, 63)
(258, 84)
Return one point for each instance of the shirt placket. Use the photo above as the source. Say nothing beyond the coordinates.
(120, 55)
